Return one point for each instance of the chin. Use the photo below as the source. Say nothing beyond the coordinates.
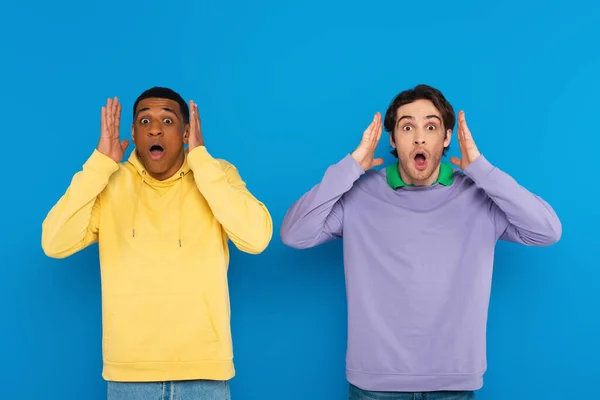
(420, 176)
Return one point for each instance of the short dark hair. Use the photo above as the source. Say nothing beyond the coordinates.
(419, 92)
(164, 93)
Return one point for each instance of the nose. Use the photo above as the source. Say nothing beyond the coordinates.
(419, 137)
(155, 129)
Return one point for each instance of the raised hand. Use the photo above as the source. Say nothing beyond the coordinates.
(109, 143)
(365, 152)
(196, 139)
(468, 149)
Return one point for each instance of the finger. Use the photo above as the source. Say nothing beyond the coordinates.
(461, 134)
(376, 135)
(459, 128)
(118, 114)
(377, 162)
(197, 115)
(109, 117)
(103, 121)
(115, 106)
(192, 118)
(455, 161)
(124, 144)
(377, 130)
(372, 131)
(367, 132)
(465, 128)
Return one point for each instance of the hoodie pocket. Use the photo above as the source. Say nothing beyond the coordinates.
(159, 328)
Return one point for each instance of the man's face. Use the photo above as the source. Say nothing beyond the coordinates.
(159, 133)
(419, 137)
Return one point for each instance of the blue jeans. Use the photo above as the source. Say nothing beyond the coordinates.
(359, 394)
(178, 390)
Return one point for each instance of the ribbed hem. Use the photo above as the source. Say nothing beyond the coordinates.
(414, 383)
(167, 371)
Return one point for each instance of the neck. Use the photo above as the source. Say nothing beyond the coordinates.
(416, 182)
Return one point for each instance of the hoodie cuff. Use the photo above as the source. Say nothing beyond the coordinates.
(198, 157)
(100, 164)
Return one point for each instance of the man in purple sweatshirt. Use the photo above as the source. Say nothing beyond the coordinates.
(419, 240)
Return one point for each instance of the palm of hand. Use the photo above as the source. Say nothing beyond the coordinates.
(110, 143)
(195, 139)
(468, 148)
(114, 144)
(365, 152)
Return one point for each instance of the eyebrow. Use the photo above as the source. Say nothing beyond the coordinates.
(411, 117)
(164, 108)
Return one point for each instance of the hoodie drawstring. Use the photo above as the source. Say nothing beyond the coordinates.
(137, 201)
(180, 208)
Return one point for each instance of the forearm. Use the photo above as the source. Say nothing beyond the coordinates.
(317, 216)
(245, 219)
(531, 220)
(71, 224)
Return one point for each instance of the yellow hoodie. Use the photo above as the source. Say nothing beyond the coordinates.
(163, 260)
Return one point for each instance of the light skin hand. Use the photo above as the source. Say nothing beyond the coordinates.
(110, 144)
(468, 149)
(365, 152)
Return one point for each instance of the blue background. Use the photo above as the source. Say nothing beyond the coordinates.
(286, 89)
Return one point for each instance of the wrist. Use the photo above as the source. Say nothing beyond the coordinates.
(105, 153)
(479, 169)
(192, 146)
(359, 160)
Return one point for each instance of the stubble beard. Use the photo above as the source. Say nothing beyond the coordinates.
(417, 177)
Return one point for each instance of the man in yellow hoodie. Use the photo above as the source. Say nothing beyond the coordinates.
(162, 221)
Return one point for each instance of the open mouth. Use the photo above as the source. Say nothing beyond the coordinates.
(421, 160)
(156, 151)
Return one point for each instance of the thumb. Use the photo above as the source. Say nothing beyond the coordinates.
(455, 161)
(377, 162)
(124, 144)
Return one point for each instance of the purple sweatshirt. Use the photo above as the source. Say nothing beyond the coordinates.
(418, 266)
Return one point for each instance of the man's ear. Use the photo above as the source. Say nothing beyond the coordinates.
(448, 137)
(132, 134)
(392, 142)
(186, 134)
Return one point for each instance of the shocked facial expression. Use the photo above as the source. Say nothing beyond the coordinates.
(159, 133)
(419, 137)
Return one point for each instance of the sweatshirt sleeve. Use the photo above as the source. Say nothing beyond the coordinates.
(317, 217)
(246, 220)
(72, 224)
(520, 216)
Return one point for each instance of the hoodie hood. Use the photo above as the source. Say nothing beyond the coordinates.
(136, 162)
(147, 182)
